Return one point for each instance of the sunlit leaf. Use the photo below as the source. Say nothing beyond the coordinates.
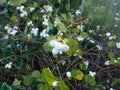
(47, 76)
(44, 87)
(79, 75)
(63, 86)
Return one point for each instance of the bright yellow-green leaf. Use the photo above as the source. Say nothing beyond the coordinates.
(114, 36)
(50, 78)
(111, 57)
(13, 18)
(44, 87)
(79, 75)
(63, 86)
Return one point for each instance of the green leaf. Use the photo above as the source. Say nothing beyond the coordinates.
(114, 36)
(97, 88)
(52, 31)
(34, 15)
(13, 18)
(44, 87)
(47, 47)
(111, 57)
(2, 1)
(5, 86)
(50, 78)
(16, 45)
(6, 51)
(44, 74)
(83, 66)
(73, 73)
(28, 80)
(77, 74)
(41, 79)
(111, 44)
(75, 4)
(3, 42)
(89, 80)
(73, 46)
(20, 61)
(35, 74)
(17, 2)
(47, 76)
(67, 7)
(64, 16)
(80, 75)
(63, 86)
(115, 81)
(16, 82)
(83, 34)
(61, 25)
(118, 62)
(35, 4)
